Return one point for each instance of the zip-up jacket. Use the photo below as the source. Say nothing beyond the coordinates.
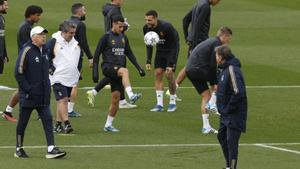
(114, 49)
(231, 95)
(31, 73)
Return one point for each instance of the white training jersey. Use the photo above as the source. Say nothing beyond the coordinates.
(66, 60)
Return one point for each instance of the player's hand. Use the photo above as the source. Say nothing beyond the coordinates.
(142, 72)
(169, 69)
(91, 63)
(148, 67)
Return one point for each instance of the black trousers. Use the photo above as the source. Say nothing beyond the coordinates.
(106, 81)
(46, 117)
(229, 141)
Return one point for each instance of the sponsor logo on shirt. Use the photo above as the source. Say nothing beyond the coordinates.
(118, 51)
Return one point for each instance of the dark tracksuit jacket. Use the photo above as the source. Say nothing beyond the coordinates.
(114, 49)
(168, 42)
(200, 22)
(203, 57)
(231, 95)
(32, 75)
(23, 34)
(109, 10)
(3, 53)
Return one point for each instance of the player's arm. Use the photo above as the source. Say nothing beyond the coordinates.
(83, 43)
(99, 50)
(132, 58)
(24, 35)
(149, 52)
(20, 67)
(185, 24)
(50, 51)
(172, 37)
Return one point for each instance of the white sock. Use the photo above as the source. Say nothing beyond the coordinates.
(94, 92)
(123, 101)
(213, 99)
(9, 109)
(50, 148)
(160, 97)
(172, 99)
(205, 121)
(70, 106)
(129, 91)
(109, 121)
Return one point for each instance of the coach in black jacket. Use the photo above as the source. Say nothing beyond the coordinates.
(3, 53)
(32, 74)
(231, 103)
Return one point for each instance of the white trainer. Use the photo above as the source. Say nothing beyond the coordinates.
(127, 105)
(209, 130)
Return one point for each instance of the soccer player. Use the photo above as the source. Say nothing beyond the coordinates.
(78, 16)
(32, 75)
(198, 19)
(232, 104)
(165, 58)
(65, 54)
(201, 68)
(110, 10)
(114, 47)
(3, 53)
(32, 15)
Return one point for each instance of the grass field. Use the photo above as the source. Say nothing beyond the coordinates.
(266, 39)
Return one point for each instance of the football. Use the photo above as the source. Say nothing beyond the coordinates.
(151, 38)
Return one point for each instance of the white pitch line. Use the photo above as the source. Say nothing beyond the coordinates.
(184, 87)
(278, 148)
(149, 145)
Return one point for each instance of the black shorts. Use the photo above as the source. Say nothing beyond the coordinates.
(1, 66)
(61, 91)
(162, 59)
(200, 78)
(115, 81)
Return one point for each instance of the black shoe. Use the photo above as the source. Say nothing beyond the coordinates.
(58, 129)
(55, 153)
(68, 129)
(21, 153)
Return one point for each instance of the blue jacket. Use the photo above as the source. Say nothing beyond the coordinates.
(32, 75)
(231, 95)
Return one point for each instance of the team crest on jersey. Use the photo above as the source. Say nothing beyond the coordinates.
(113, 42)
(161, 34)
(37, 60)
(123, 40)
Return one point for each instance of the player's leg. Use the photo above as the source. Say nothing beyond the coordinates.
(13, 101)
(172, 88)
(24, 115)
(123, 72)
(123, 104)
(71, 103)
(62, 94)
(116, 86)
(233, 137)
(91, 94)
(159, 73)
(222, 138)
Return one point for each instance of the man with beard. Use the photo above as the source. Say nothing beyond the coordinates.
(78, 15)
(165, 59)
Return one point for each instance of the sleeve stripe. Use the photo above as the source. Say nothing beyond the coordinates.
(21, 64)
(233, 80)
